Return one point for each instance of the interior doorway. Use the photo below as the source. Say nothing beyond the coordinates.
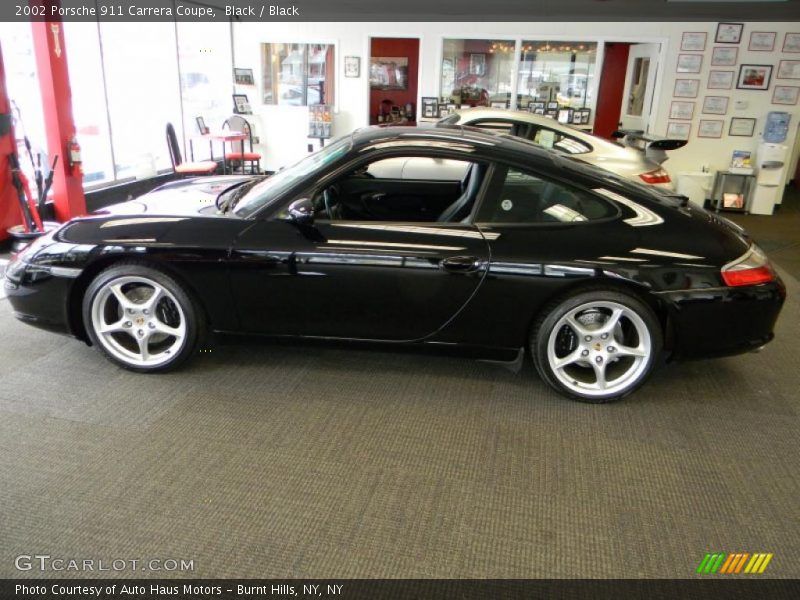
(393, 79)
(627, 84)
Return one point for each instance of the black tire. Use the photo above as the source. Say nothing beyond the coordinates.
(177, 303)
(574, 379)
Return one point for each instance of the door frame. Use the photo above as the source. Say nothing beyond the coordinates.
(368, 59)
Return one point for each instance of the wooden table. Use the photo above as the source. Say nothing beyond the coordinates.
(219, 136)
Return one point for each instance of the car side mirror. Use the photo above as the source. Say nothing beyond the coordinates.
(302, 211)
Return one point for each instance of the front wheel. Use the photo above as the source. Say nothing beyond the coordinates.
(141, 318)
(596, 346)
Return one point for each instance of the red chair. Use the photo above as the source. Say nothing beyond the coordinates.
(239, 154)
(201, 167)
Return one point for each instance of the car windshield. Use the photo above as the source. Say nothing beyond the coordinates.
(271, 188)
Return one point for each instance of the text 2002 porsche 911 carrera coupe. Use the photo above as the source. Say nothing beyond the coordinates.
(594, 275)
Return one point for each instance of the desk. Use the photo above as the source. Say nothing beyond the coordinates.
(220, 136)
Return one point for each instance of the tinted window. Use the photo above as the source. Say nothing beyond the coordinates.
(520, 197)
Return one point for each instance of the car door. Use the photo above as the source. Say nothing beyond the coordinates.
(359, 279)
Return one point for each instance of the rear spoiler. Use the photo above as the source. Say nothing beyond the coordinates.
(654, 148)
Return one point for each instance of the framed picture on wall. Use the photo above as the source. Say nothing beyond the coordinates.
(710, 128)
(724, 56)
(686, 88)
(694, 41)
(681, 110)
(742, 127)
(754, 77)
(785, 94)
(243, 76)
(729, 33)
(352, 66)
(715, 105)
(477, 64)
(689, 63)
(720, 80)
(430, 107)
(762, 41)
(678, 131)
(789, 69)
(388, 72)
(791, 43)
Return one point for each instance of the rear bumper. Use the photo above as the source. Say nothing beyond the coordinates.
(722, 321)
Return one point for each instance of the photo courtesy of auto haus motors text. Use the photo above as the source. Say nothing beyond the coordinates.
(413, 300)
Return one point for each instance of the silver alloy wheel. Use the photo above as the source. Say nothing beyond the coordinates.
(138, 321)
(599, 348)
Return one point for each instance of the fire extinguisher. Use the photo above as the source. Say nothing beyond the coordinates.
(74, 154)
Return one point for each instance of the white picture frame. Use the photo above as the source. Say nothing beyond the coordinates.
(791, 43)
(724, 56)
(678, 130)
(352, 66)
(681, 110)
(785, 94)
(742, 127)
(689, 63)
(762, 41)
(715, 105)
(788, 69)
(694, 41)
(686, 88)
(720, 80)
(710, 128)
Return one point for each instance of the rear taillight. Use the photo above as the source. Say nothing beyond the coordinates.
(656, 176)
(751, 268)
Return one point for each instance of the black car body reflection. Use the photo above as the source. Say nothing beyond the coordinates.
(477, 263)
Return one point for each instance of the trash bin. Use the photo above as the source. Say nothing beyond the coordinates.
(695, 185)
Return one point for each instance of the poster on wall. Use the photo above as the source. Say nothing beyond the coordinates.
(686, 88)
(724, 56)
(720, 80)
(388, 73)
(715, 105)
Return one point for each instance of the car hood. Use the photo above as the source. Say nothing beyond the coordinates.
(179, 198)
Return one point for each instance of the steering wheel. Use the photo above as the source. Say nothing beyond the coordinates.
(330, 198)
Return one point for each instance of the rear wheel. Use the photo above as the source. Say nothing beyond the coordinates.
(596, 346)
(141, 318)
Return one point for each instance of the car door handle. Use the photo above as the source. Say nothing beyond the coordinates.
(461, 264)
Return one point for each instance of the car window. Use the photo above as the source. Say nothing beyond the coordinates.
(549, 138)
(418, 167)
(496, 125)
(520, 197)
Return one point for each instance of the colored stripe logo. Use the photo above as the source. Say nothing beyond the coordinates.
(734, 564)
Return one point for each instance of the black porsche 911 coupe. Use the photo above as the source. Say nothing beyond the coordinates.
(595, 276)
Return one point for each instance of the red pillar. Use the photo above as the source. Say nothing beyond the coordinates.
(9, 202)
(51, 63)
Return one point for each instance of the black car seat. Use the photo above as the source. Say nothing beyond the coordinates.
(461, 208)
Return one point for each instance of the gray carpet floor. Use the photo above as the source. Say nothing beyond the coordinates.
(266, 460)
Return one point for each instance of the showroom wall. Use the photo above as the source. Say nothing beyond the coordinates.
(283, 129)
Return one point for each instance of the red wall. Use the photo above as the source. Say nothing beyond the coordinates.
(612, 86)
(408, 47)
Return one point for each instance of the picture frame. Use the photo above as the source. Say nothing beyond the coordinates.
(785, 94)
(443, 110)
(538, 111)
(243, 76)
(715, 105)
(791, 43)
(762, 41)
(689, 63)
(352, 66)
(477, 64)
(724, 56)
(586, 115)
(565, 115)
(537, 105)
(430, 107)
(729, 33)
(388, 72)
(678, 130)
(241, 105)
(553, 105)
(720, 80)
(694, 41)
(686, 88)
(201, 125)
(754, 77)
(710, 128)
(789, 69)
(681, 110)
(742, 127)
